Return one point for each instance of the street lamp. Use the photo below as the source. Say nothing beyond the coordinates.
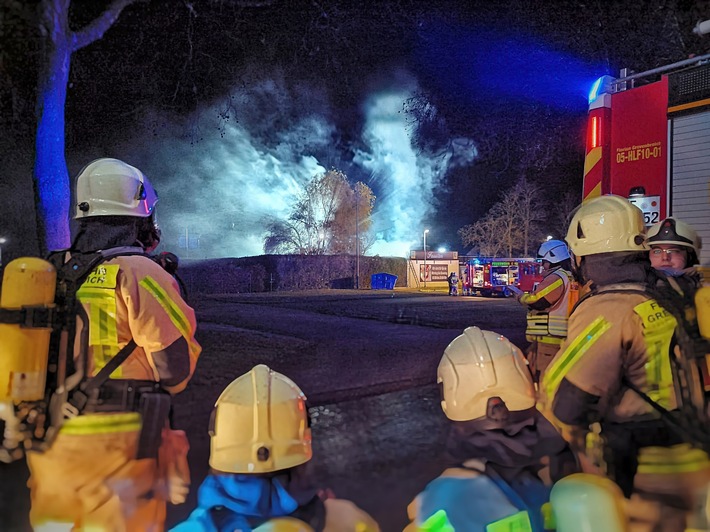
(425, 232)
(2, 241)
(357, 239)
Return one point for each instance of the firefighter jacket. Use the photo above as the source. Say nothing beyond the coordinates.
(228, 502)
(548, 307)
(131, 297)
(475, 498)
(617, 334)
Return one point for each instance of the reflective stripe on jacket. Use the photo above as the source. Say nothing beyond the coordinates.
(550, 323)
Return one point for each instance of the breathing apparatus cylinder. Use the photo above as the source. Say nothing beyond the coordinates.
(27, 282)
(702, 310)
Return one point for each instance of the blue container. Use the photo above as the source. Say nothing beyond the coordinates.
(383, 281)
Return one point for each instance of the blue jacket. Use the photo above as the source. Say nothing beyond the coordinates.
(240, 501)
(473, 500)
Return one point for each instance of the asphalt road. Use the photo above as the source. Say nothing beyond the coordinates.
(367, 362)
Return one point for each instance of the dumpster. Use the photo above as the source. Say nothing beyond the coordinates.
(383, 281)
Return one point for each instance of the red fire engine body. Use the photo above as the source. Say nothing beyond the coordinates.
(491, 276)
(648, 139)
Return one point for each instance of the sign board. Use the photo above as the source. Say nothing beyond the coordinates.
(650, 207)
(434, 255)
(433, 272)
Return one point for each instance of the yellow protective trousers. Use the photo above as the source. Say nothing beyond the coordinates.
(92, 482)
(676, 478)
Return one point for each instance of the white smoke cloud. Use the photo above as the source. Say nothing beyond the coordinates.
(223, 188)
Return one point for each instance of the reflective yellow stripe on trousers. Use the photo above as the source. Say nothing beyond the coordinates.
(681, 458)
(102, 423)
(176, 315)
(559, 368)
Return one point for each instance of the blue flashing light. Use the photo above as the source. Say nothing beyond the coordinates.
(601, 86)
(594, 92)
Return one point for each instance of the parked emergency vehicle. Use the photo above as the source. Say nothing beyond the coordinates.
(648, 139)
(491, 276)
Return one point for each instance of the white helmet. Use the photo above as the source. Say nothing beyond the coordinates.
(605, 224)
(675, 232)
(478, 366)
(109, 187)
(553, 251)
(260, 424)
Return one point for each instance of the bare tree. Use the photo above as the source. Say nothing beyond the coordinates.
(561, 215)
(511, 225)
(480, 234)
(328, 217)
(528, 200)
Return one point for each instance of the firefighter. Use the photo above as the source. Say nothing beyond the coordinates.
(260, 452)
(618, 347)
(497, 443)
(453, 284)
(674, 245)
(548, 305)
(101, 472)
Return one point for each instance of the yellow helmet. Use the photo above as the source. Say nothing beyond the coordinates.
(478, 366)
(260, 424)
(605, 224)
(109, 187)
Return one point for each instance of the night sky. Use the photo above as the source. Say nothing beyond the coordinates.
(230, 107)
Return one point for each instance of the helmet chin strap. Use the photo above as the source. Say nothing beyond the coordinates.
(149, 235)
(576, 264)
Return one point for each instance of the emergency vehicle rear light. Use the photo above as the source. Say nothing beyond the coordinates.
(595, 132)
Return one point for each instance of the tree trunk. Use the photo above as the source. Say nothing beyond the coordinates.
(51, 178)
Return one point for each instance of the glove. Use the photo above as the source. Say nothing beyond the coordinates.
(517, 292)
(174, 468)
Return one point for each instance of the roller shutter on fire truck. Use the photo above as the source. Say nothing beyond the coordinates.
(689, 174)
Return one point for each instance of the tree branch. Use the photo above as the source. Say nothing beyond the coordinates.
(96, 29)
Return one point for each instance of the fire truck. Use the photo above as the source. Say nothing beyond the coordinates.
(648, 139)
(492, 276)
